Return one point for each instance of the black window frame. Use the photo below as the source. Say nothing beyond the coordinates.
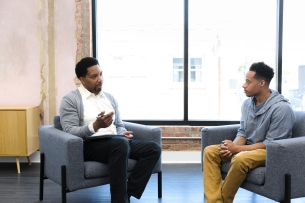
(186, 121)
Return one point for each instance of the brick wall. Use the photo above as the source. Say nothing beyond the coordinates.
(181, 138)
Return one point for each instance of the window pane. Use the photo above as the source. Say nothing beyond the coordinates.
(196, 61)
(293, 77)
(178, 62)
(137, 42)
(228, 41)
(195, 71)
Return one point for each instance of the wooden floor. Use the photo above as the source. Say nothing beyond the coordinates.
(182, 183)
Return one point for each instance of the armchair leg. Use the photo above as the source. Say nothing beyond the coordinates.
(41, 178)
(63, 184)
(287, 189)
(160, 184)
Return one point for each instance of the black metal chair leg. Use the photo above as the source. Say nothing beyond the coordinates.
(160, 184)
(63, 184)
(41, 182)
(287, 189)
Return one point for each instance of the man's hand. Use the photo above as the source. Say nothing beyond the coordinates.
(224, 150)
(103, 120)
(228, 148)
(128, 135)
(231, 146)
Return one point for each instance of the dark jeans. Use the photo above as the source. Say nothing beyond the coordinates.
(115, 152)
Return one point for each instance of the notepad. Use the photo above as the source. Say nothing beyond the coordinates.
(102, 137)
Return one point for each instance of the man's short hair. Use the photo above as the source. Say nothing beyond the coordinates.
(82, 66)
(262, 71)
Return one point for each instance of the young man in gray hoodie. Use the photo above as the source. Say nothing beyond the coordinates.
(266, 116)
(88, 111)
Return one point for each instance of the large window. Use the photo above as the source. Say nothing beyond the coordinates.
(229, 41)
(140, 43)
(142, 47)
(293, 80)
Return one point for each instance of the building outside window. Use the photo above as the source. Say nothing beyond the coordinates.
(195, 70)
(178, 69)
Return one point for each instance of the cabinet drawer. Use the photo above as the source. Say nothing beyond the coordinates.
(13, 130)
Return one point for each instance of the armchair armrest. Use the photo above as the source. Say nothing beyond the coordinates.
(61, 148)
(215, 134)
(144, 132)
(285, 157)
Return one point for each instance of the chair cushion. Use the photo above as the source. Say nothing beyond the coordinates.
(95, 169)
(255, 176)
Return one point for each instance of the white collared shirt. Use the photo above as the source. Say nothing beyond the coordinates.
(93, 105)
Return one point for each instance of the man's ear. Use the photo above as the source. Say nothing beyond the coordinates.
(262, 83)
(82, 80)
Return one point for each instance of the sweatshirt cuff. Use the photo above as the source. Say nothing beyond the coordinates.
(90, 126)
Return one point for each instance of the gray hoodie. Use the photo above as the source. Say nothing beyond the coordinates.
(72, 114)
(273, 121)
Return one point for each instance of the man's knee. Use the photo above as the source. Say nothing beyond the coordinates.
(121, 143)
(155, 148)
(211, 150)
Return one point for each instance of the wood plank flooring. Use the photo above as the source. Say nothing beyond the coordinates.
(182, 183)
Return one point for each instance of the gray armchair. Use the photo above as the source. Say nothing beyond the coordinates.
(283, 176)
(62, 158)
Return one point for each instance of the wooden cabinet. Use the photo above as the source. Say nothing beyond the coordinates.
(19, 131)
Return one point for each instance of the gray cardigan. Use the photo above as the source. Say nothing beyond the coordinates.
(273, 121)
(72, 113)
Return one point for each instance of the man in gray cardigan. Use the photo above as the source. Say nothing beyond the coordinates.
(266, 116)
(87, 112)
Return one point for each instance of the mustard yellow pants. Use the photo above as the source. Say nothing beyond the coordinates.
(218, 191)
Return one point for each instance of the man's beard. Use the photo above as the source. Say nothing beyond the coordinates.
(97, 90)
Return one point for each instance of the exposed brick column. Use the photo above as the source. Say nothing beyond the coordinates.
(83, 30)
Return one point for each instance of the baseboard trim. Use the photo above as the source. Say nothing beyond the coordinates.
(181, 157)
(167, 157)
